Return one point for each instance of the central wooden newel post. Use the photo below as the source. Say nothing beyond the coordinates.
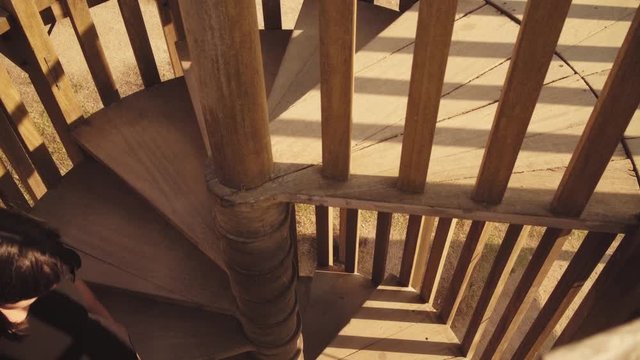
(224, 43)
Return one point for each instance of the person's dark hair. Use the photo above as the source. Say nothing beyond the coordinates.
(33, 258)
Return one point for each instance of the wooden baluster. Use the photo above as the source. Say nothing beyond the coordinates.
(425, 242)
(352, 239)
(293, 234)
(414, 226)
(609, 119)
(337, 49)
(592, 249)
(46, 72)
(140, 43)
(324, 233)
(613, 298)
(272, 14)
(342, 236)
(383, 234)
(10, 192)
(543, 257)
(437, 256)
(433, 38)
(543, 20)
(23, 126)
(469, 256)
(92, 49)
(503, 263)
(170, 34)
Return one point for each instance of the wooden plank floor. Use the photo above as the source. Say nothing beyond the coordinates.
(126, 243)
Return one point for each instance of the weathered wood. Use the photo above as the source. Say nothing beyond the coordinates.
(11, 103)
(342, 236)
(536, 271)
(591, 251)
(606, 126)
(46, 73)
(352, 240)
(10, 193)
(140, 42)
(537, 39)
(437, 256)
(169, 27)
(508, 252)
(383, 234)
(433, 39)
(613, 298)
(469, 256)
(414, 226)
(425, 241)
(92, 49)
(272, 14)
(337, 51)
(19, 160)
(324, 235)
(4, 22)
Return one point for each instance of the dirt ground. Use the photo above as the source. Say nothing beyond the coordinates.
(111, 30)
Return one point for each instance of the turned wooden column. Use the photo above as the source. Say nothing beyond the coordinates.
(224, 44)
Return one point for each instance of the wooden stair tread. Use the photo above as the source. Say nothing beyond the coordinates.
(394, 323)
(150, 139)
(126, 243)
(161, 330)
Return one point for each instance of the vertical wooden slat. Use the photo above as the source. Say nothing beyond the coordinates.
(11, 146)
(614, 297)
(342, 236)
(469, 256)
(23, 126)
(46, 72)
(503, 263)
(92, 49)
(176, 16)
(170, 34)
(293, 234)
(352, 239)
(541, 26)
(140, 43)
(383, 234)
(592, 249)
(433, 38)
(337, 49)
(324, 233)
(410, 245)
(543, 257)
(272, 14)
(10, 193)
(609, 119)
(437, 255)
(425, 241)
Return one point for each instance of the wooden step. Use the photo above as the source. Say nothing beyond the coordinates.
(394, 324)
(300, 68)
(126, 243)
(160, 330)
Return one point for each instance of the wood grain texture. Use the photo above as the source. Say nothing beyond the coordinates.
(100, 215)
(10, 192)
(169, 28)
(236, 117)
(46, 72)
(469, 256)
(92, 50)
(31, 139)
(537, 39)
(605, 129)
(435, 263)
(541, 261)
(414, 227)
(324, 235)
(4, 22)
(425, 241)
(433, 39)
(381, 250)
(337, 51)
(492, 288)
(272, 14)
(140, 42)
(352, 240)
(589, 254)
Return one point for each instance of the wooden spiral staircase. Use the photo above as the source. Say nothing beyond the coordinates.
(166, 231)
